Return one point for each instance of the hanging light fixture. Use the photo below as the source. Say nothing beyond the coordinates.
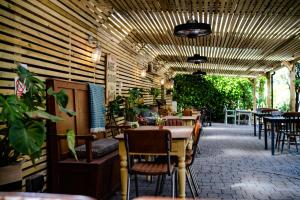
(199, 73)
(143, 73)
(197, 59)
(191, 29)
(162, 81)
(96, 52)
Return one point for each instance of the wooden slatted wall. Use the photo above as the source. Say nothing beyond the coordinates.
(51, 38)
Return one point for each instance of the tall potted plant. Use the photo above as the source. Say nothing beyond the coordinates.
(131, 106)
(155, 92)
(24, 124)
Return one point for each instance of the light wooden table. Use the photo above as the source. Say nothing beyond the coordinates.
(187, 120)
(180, 137)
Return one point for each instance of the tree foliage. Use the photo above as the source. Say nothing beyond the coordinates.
(213, 92)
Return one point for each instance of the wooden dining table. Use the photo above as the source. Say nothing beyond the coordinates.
(180, 138)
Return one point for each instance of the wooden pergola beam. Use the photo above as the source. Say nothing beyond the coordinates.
(292, 69)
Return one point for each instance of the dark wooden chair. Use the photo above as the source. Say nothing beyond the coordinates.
(291, 129)
(173, 122)
(148, 142)
(189, 160)
(97, 172)
(190, 157)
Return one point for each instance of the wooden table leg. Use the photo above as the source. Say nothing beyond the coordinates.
(123, 169)
(181, 167)
(254, 121)
(272, 138)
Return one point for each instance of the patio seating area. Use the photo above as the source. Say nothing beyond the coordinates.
(118, 99)
(238, 167)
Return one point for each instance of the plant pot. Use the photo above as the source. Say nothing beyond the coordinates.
(160, 127)
(11, 177)
(132, 124)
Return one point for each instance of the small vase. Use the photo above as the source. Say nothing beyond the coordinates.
(161, 127)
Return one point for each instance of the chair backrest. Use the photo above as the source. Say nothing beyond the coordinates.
(268, 110)
(196, 137)
(147, 142)
(173, 122)
(292, 125)
(187, 112)
(196, 132)
(78, 102)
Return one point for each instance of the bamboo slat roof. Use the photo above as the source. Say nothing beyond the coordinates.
(249, 37)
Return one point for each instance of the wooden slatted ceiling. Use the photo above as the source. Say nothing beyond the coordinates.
(50, 36)
(263, 32)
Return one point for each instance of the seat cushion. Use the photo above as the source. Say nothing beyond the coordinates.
(100, 148)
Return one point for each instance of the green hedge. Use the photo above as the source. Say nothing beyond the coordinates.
(213, 92)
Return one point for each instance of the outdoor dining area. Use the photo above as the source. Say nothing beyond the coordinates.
(145, 99)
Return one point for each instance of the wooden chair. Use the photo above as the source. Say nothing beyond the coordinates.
(291, 129)
(187, 112)
(97, 172)
(267, 111)
(173, 122)
(113, 127)
(145, 142)
(190, 157)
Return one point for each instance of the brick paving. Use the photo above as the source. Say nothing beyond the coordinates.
(234, 165)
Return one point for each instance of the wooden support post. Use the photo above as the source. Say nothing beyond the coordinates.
(254, 94)
(268, 75)
(292, 68)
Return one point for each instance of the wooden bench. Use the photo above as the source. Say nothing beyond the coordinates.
(91, 175)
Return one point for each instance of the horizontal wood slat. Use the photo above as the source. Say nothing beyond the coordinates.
(51, 37)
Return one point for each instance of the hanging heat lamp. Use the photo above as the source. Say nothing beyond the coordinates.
(197, 59)
(192, 29)
(199, 73)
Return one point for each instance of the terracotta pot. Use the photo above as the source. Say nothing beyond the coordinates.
(11, 177)
(161, 127)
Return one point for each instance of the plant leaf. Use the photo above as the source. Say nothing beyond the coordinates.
(39, 114)
(27, 138)
(71, 142)
(12, 109)
(61, 97)
(69, 112)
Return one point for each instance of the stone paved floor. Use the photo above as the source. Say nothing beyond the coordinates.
(234, 165)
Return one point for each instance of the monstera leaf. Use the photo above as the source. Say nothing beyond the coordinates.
(27, 138)
(40, 114)
(71, 142)
(62, 100)
(11, 108)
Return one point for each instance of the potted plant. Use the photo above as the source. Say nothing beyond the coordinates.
(160, 122)
(155, 92)
(24, 124)
(132, 103)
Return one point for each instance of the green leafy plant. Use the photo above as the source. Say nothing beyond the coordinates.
(155, 92)
(212, 92)
(24, 118)
(131, 104)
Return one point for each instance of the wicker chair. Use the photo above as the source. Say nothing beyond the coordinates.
(173, 122)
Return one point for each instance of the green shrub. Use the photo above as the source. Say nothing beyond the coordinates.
(213, 92)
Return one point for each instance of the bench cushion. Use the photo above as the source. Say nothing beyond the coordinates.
(100, 148)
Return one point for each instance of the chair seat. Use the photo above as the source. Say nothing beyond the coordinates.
(149, 168)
